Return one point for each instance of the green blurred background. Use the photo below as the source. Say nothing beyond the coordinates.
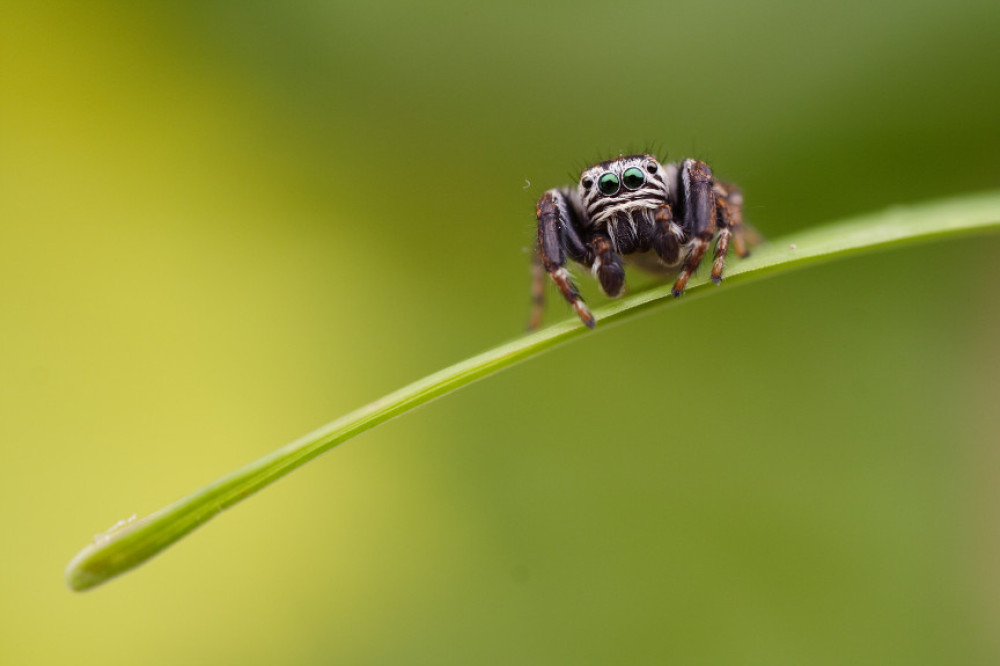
(223, 224)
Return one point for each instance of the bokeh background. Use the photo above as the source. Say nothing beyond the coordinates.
(223, 224)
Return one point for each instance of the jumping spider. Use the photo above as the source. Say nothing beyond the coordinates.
(665, 214)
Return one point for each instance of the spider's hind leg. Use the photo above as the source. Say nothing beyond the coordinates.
(729, 217)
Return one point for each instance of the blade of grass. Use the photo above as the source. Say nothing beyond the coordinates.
(129, 544)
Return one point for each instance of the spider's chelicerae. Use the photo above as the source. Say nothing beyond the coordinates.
(664, 214)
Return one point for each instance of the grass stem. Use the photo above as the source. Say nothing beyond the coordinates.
(131, 543)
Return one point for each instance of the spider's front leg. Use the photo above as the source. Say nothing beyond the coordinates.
(559, 240)
(668, 237)
(607, 266)
(699, 208)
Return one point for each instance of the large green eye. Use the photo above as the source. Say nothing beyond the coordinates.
(608, 183)
(633, 178)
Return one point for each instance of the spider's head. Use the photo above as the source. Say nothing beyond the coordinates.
(622, 186)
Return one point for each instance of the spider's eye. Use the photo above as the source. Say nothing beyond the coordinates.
(608, 183)
(633, 178)
(651, 167)
(587, 183)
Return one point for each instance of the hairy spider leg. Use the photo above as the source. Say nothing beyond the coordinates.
(734, 208)
(728, 210)
(667, 235)
(699, 210)
(557, 240)
(608, 266)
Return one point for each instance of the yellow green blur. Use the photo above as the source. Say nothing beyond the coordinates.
(224, 224)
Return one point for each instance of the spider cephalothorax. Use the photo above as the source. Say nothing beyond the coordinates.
(613, 192)
(665, 214)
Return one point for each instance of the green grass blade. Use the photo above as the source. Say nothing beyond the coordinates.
(129, 545)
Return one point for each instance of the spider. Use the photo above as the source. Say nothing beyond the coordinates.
(664, 214)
